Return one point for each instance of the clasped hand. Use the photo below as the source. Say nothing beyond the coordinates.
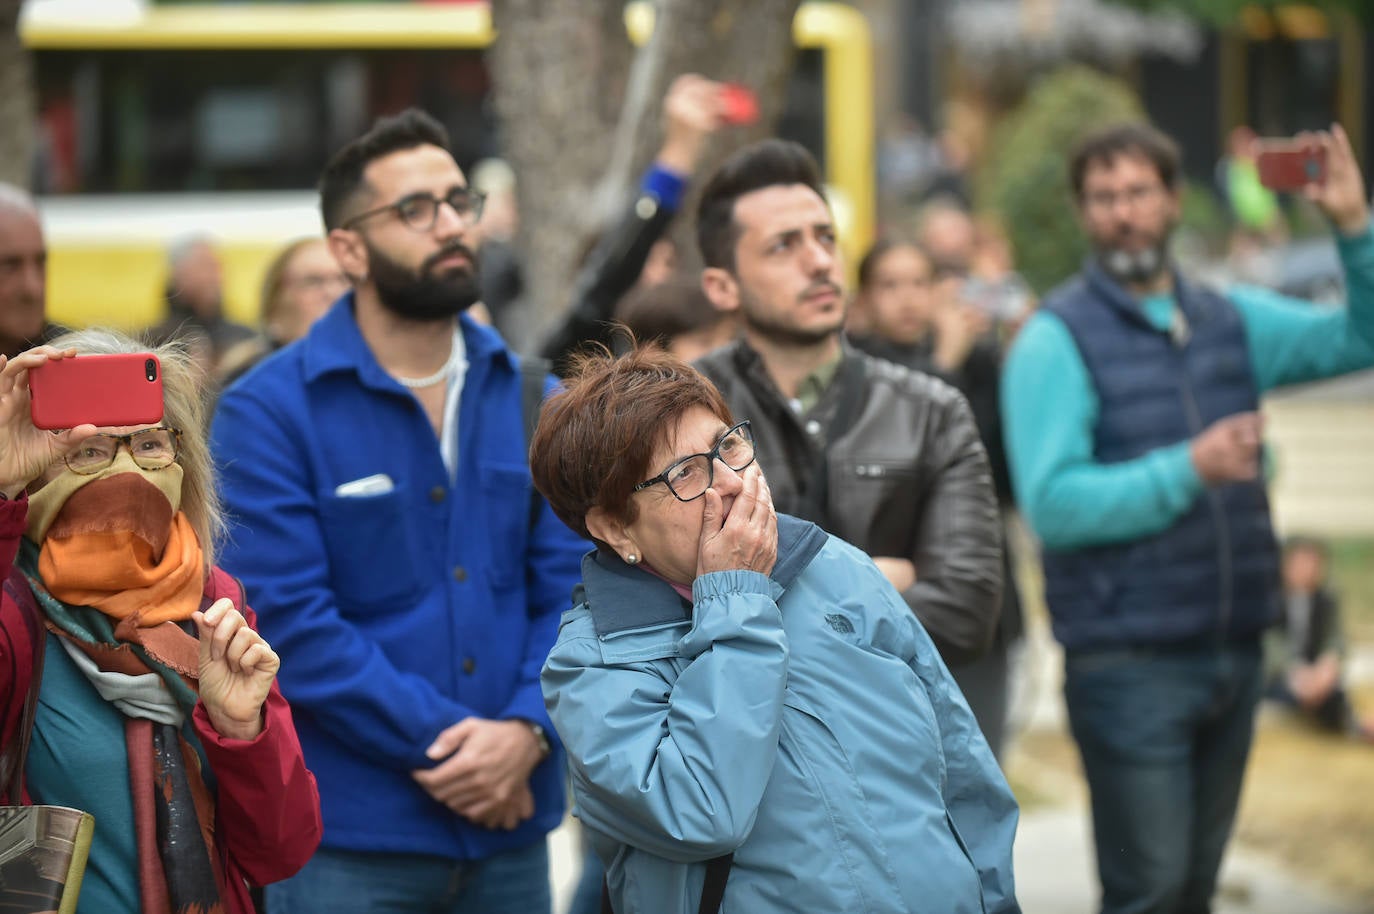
(485, 772)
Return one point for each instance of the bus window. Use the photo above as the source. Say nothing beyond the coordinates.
(180, 120)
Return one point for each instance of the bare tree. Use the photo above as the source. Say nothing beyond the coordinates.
(16, 99)
(579, 107)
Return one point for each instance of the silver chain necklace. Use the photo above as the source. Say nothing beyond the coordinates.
(455, 357)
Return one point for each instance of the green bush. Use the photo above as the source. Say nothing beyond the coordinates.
(1204, 217)
(1025, 173)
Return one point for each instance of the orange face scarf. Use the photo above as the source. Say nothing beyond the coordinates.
(116, 542)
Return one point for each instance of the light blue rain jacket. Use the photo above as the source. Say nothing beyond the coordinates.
(803, 721)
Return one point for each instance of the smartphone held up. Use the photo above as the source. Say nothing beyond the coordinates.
(103, 390)
(740, 106)
(1290, 165)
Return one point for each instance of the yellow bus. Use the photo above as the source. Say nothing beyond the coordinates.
(161, 121)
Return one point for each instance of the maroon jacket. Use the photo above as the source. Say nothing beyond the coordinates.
(267, 809)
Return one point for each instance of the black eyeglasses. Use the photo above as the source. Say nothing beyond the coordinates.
(152, 449)
(420, 211)
(689, 478)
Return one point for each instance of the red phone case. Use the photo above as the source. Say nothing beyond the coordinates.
(740, 104)
(104, 390)
(1285, 166)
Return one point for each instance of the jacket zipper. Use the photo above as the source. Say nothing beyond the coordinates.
(1224, 584)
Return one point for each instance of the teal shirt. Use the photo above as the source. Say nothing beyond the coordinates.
(78, 758)
(1049, 408)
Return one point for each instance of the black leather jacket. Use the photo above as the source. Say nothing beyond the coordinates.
(890, 460)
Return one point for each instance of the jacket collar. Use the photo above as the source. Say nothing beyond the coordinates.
(749, 365)
(622, 597)
(335, 344)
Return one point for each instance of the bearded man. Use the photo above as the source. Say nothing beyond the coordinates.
(1131, 403)
(378, 487)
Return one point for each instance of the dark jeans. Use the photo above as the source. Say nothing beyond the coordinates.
(1164, 735)
(351, 882)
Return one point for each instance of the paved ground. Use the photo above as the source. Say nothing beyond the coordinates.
(1054, 874)
(1054, 866)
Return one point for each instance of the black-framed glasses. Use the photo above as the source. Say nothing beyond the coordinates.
(689, 478)
(420, 211)
(152, 449)
(1134, 196)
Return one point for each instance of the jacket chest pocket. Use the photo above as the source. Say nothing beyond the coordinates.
(506, 497)
(372, 550)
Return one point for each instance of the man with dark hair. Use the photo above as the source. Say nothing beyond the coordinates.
(883, 457)
(377, 471)
(23, 274)
(1141, 474)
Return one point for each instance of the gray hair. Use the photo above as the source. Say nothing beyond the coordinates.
(185, 407)
(183, 247)
(14, 198)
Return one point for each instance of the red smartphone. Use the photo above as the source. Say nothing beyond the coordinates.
(1287, 165)
(104, 390)
(740, 104)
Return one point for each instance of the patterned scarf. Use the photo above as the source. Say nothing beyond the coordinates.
(137, 575)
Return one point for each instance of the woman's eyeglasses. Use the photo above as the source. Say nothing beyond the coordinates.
(152, 449)
(689, 478)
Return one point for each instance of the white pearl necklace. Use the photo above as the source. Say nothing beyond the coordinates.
(455, 358)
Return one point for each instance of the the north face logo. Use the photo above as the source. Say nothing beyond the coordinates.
(840, 623)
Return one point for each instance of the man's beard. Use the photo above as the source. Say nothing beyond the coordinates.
(776, 328)
(424, 295)
(1136, 267)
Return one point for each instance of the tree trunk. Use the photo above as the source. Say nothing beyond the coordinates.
(580, 109)
(16, 100)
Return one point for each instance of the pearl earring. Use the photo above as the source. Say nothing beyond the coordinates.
(632, 559)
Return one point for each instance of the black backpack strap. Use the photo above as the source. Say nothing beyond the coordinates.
(534, 372)
(16, 753)
(712, 891)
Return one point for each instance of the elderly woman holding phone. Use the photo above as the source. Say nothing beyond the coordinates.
(752, 714)
(129, 662)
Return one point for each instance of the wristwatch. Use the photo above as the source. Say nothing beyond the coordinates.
(541, 737)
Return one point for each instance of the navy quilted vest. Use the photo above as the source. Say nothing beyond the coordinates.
(1213, 574)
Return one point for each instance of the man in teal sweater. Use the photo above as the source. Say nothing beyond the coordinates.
(1131, 409)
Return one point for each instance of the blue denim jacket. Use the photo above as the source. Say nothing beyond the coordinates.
(804, 722)
(397, 613)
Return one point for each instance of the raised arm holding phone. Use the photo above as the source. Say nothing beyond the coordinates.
(694, 108)
(116, 615)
